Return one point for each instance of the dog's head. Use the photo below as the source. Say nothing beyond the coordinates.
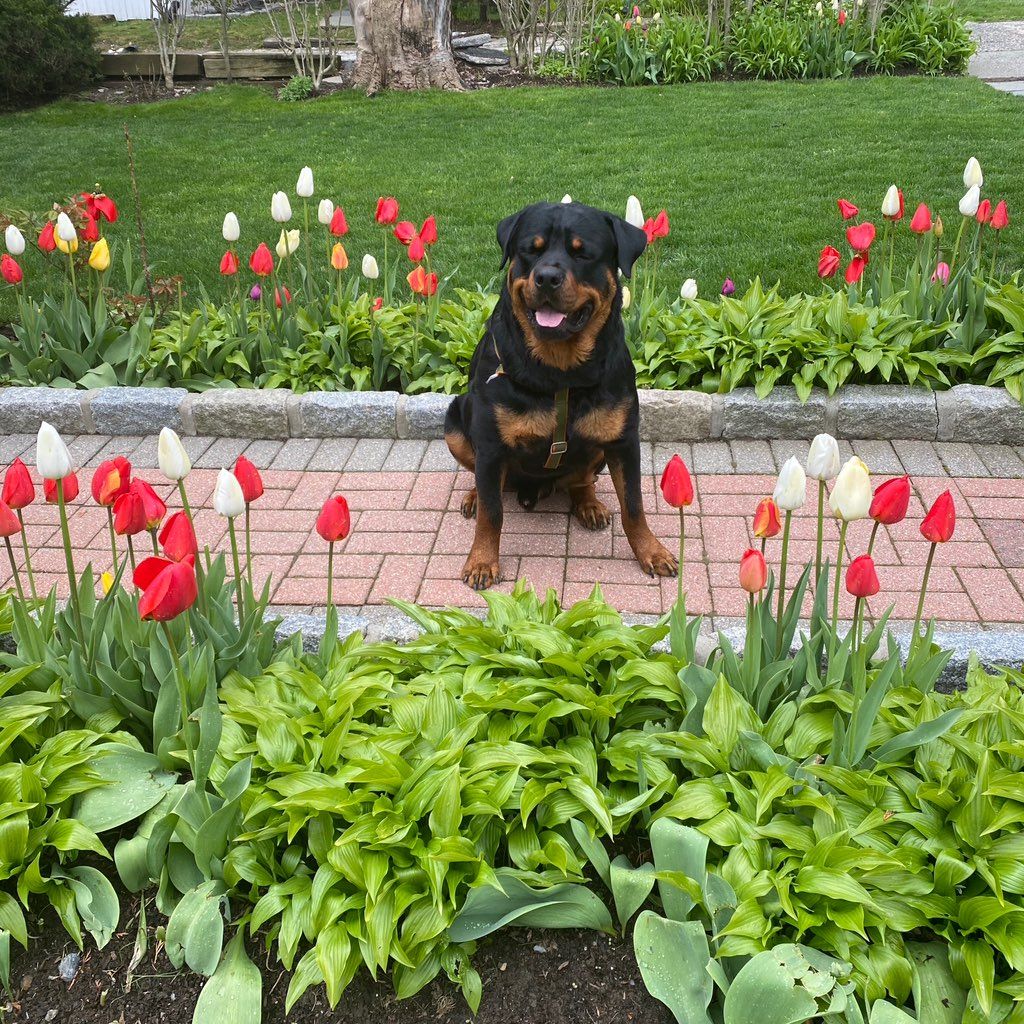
(563, 276)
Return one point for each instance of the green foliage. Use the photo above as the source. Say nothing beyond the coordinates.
(44, 52)
(296, 89)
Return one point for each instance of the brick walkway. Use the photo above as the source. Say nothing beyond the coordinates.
(409, 539)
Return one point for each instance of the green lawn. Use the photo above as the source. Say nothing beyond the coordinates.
(749, 172)
(992, 10)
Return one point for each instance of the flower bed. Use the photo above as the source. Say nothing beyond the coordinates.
(389, 806)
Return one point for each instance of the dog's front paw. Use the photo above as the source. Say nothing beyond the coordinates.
(469, 504)
(480, 573)
(655, 559)
(593, 514)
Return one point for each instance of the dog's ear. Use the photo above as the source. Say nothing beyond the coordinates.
(630, 243)
(507, 236)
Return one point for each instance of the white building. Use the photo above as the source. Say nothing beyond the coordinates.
(122, 10)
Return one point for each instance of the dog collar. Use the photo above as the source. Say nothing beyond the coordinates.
(560, 443)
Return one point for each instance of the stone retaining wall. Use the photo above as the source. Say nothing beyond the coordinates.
(968, 412)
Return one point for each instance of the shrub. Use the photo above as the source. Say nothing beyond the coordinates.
(298, 87)
(44, 52)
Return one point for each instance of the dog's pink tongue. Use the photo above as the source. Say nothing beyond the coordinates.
(549, 318)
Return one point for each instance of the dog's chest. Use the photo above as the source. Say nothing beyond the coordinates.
(588, 423)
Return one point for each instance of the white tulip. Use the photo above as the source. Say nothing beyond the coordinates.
(65, 229)
(280, 208)
(370, 269)
(228, 499)
(567, 198)
(970, 201)
(304, 186)
(288, 242)
(823, 458)
(53, 460)
(891, 202)
(627, 297)
(14, 240)
(325, 211)
(634, 213)
(171, 456)
(851, 496)
(972, 173)
(689, 289)
(230, 230)
(791, 487)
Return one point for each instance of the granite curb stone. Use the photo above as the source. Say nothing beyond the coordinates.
(906, 412)
(674, 415)
(124, 410)
(781, 414)
(238, 412)
(421, 417)
(23, 409)
(348, 414)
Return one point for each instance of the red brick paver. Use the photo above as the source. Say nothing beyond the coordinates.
(409, 541)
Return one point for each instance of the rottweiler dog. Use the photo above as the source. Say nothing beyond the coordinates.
(552, 397)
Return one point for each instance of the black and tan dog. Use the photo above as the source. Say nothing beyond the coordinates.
(552, 396)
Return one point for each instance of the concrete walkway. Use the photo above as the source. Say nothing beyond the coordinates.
(999, 59)
(409, 540)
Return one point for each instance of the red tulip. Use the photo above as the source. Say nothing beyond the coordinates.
(152, 504)
(421, 282)
(753, 571)
(416, 249)
(91, 231)
(984, 213)
(338, 226)
(676, 485)
(46, 240)
(70, 483)
(10, 524)
(938, 525)
(921, 222)
(229, 264)
(19, 490)
(129, 514)
(168, 588)
(334, 521)
(105, 207)
(860, 236)
(767, 522)
(110, 480)
(656, 227)
(178, 538)
(428, 233)
(891, 500)
(378, 303)
(861, 578)
(249, 478)
(9, 269)
(261, 262)
(405, 231)
(842, 18)
(828, 261)
(1000, 216)
(855, 270)
(387, 210)
(277, 296)
(847, 209)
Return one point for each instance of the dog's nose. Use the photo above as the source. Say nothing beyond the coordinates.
(548, 278)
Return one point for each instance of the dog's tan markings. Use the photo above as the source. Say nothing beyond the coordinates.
(538, 242)
(604, 424)
(520, 429)
(577, 244)
(482, 568)
(588, 508)
(654, 558)
(461, 449)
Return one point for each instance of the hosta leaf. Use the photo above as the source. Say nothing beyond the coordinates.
(233, 994)
(673, 958)
(630, 888)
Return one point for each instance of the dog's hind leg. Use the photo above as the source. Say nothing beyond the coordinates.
(457, 439)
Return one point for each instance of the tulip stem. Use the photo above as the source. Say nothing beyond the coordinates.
(956, 247)
(14, 569)
(330, 575)
(782, 583)
(858, 614)
(874, 533)
(821, 523)
(186, 735)
(682, 553)
(920, 600)
(28, 560)
(113, 536)
(248, 546)
(238, 568)
(69, 561)
(305, 241)
(156, 547)
(131, 551)
(835, 587)
(995, 251)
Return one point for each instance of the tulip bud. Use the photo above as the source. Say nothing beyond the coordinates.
(69, 486)
(249, 479)
(370, 269)
(288, 242)
(99, 258)
(689, 289)
(851, 497)
(753, 571)
(1000, 216)
(940, 521)
(970, 202)
(304, 186)
(339, 258)
(14, 240)
(10, 271)
(65, 229)
(230, 230)
(567, 198)
(335, 520)
(171, 456)
(325, 211)
(791, 486)
(168, 588)
(823, 458)
(228, 499)
(937, 228)
(941, 275)
(891, 501)
(861, 577)
(627, 297)
(676, 485)
(728, 287)
(280, 208)
(178, 538)
(53, 460)
(18, 490)
(766, 518)
(891, 202)
(972, 174)
(634, 212)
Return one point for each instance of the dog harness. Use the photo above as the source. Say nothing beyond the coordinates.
(560, 443)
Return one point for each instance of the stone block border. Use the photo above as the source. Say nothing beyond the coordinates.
(968, 413)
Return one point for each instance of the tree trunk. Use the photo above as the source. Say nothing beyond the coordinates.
(403, 44)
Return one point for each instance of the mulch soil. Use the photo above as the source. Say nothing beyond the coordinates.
(529, 977)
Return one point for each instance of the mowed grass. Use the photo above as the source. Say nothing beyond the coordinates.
(991, 10)
(749, 172)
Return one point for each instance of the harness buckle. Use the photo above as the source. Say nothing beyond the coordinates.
(559, 447)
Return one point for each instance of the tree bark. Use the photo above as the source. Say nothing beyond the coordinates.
(403, 44)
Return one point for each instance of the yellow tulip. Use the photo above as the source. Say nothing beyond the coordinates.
(108, 581)
(339, 258)
(66, 247)
(99, 258)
